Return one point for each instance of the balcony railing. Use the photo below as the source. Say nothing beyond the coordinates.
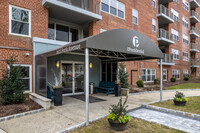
(84, 4)
(164, 10)
(194, 30)
(195, 62)
(168, 58)
(195, 14)
(165, 34)
(195, 46)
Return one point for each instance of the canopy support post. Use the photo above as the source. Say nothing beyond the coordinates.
(87, 85)
(161, 83)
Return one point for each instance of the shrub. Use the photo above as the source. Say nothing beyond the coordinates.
(179, 97)
(173, 79)
(186, 78)
(123, 76)
(11, 85)
(156, 81)
(118, 112)
(140, 83)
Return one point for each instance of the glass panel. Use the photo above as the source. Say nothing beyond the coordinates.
(113, 10)
(67, 77)
(121, 14)
(51, 32)
(27, 84)
(20, 28)
(62, 33)
(104, 7)
(114, 65)
(20, 15)
(79, 78)
(73, 35)
(103, 67)
(109, 72)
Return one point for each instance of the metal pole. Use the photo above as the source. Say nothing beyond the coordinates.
(161, 80)
(87, 85)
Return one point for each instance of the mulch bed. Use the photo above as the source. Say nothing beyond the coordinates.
(11, 109)
(153, 87)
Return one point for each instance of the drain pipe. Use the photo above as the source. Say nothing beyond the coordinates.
(161, 80)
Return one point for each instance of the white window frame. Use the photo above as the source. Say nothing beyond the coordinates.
(154, 24)
(30, 75)
(185, 39)
(175, 34)
(109, 4)
(185, 22)
(186, 5)
(185, 58)
(176, 54)
(185, 72)
(175, 14)
(10, 23)
(151, 69)
(154, 4)
(176, 72)
(134, 14)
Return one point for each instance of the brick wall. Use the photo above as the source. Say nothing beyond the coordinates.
(21, 45)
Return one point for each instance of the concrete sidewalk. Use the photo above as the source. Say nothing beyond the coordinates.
(73, 113)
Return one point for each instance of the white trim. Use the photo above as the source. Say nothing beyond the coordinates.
(150, 73)
(49, 41)
(165, 16)
(10, 19)
(30, 75)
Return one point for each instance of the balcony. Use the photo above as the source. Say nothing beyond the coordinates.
(194, 17)
(164, 1)
(194, 32)
(194, 4)
(195, 63)
(194, 47)
(73, 11)
(164, 16)
(167, 60)
(165, 37)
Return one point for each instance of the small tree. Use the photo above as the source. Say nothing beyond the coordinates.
(123, 76)
(11, 85)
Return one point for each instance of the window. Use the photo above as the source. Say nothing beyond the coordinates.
(175, 54)
(19, 21)
(175, 34)
(176, 73)
(185, 56)
(62, 33)
(185, 39)
(154, 3)
(185, 22)
(177, 1)
(135, 16)
(27, 78)
(185, 73)
(153, 25)
(113, 7)
(109, 71)
(175, 15)
(186, 5)
(148, 74)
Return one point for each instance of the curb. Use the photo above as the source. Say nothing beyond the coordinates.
(21, 114)
(146, 92)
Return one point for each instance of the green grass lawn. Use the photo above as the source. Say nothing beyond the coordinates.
(185, 86)
(192, 106)
(134, 126)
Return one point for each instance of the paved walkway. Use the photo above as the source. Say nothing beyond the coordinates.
(170, 120)
(73, 113)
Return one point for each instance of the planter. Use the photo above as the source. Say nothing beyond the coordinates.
(124, 91)
(115, 125)
(57, 92)
(117, 90)
(180, 103)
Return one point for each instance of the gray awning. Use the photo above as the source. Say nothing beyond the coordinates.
(114, 45)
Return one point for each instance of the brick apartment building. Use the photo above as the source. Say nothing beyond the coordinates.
(32, 27)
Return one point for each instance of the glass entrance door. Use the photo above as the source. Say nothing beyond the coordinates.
(164, 74)
(79, 78)
(72, 78)
(67, 78)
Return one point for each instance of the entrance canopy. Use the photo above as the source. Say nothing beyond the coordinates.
(114, 45)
